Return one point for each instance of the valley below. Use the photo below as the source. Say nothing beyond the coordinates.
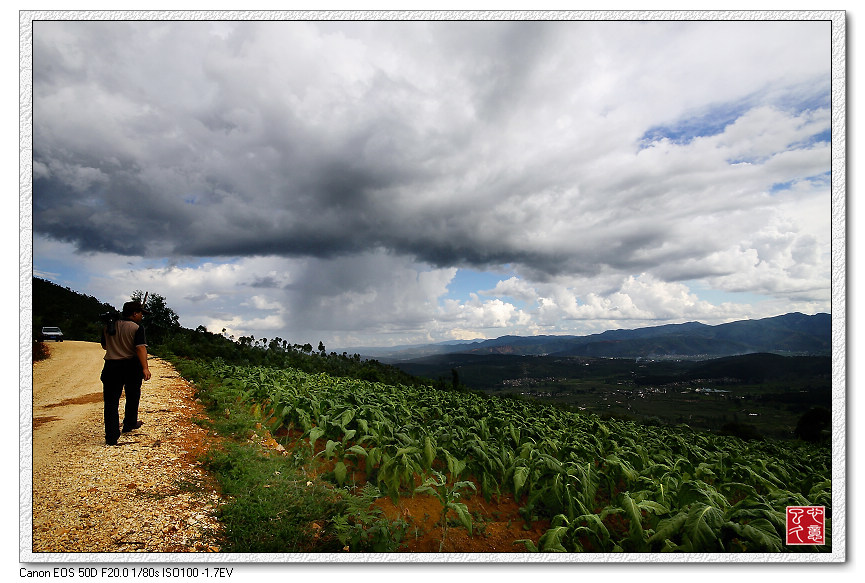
(751, 396)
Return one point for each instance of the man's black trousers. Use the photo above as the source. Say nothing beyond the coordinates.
(118, 375)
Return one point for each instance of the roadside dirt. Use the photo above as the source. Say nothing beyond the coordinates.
(147, 494)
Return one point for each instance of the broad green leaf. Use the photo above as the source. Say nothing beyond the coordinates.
(455, 466)
(314, 434)
(820, 487)
(515, 434)
(751, 509)
(463, 514)
(821, 494)
(429, 452)
(595, 530)
(669, 528)
(702, 528)
(373, 458)
(703, 471)
(652, 506)
(357, 449)
(425, 489)
(339, 472)
(634, 517)
(551, 541)
(521, 474)
(697, 491)
(760, 533)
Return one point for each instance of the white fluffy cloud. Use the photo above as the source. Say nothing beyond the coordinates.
(327, 180)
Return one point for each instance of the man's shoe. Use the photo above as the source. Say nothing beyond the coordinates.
(137, 426)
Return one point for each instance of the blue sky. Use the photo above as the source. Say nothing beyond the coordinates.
(382, 183)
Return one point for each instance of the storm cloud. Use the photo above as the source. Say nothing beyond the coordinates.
(580, 155)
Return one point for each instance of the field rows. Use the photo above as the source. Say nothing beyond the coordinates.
(605, 485)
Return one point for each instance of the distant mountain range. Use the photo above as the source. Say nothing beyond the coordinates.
(794, 333)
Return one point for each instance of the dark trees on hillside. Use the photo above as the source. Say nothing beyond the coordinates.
(815, 425)
(77, 315)
(161, 321)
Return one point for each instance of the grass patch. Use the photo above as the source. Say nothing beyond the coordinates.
(271, 507)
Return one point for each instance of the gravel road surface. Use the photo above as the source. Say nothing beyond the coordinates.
(146, 494)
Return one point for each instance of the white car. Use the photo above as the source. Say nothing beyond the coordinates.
(52, 333)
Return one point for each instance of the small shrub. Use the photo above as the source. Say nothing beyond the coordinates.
(40, 351)
(362, 528)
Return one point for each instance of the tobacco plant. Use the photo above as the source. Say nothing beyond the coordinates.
(448, 495)
(605, 484)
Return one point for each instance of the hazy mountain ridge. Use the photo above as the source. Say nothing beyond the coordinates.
(793, 333)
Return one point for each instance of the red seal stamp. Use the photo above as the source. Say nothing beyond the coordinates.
(806, 525)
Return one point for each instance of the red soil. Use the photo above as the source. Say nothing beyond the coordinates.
(496, 524)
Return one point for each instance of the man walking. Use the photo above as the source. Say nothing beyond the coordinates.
(125, 368)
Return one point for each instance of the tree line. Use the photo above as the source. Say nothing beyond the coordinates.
(81, 317)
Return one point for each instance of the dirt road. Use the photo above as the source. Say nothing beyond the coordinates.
(147, 494)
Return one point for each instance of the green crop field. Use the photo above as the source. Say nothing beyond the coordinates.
(602, 485)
